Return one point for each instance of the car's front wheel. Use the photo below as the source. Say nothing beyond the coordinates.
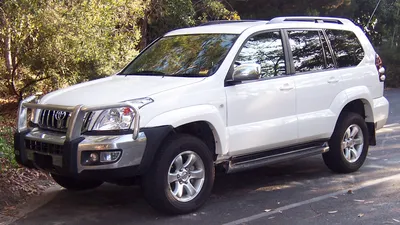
(182, 176)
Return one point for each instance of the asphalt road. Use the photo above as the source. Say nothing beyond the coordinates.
(299, 192)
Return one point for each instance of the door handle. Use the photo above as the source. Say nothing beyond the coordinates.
(286, 87)
(333, 80)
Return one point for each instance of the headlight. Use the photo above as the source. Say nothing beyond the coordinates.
(119, 118)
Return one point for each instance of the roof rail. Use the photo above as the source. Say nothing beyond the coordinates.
(311, 19)
(213, 22)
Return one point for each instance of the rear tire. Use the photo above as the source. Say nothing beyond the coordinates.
(181, 178)
(74, 184)
(348, 146)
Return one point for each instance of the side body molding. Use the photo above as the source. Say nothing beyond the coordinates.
(206, 113)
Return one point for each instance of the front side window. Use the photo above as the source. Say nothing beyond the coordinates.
(265, 49)
(346, 46)
(197, 55)
(307, 51)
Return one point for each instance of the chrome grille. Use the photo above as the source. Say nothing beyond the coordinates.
(59, 120)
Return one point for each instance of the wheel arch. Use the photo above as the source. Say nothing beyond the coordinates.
(360, 106)
(203, 121)
(357, 100)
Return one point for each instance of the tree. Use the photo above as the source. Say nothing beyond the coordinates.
(48, 44)
(260, 9)
(162, 16)
(18, 34)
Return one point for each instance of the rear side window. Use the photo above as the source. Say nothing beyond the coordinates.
(346, 46)
(307, 50)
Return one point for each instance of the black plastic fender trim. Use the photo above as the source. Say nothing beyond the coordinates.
(155, 137)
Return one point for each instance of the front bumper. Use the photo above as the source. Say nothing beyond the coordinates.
(68, 159)
(381, 112)
(62, 153)
(137, 155)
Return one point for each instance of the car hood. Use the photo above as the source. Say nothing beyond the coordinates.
(115, 89)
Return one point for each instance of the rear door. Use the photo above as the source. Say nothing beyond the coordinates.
(261, 113)
(317, 83)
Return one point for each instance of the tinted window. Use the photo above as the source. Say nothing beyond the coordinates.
(183, 55)
(307, 50)
(265, 49)
(328, 55)
(347, 48)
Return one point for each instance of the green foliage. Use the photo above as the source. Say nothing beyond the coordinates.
(6, 147)
(58, 43)
(391, 60)
(50, 44)
(162, 16)
(261, 9)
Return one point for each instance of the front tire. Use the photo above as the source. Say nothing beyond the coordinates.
(74, 184)
(181, 178)
(348, 146)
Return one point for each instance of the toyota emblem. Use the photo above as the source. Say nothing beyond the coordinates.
(60, 115)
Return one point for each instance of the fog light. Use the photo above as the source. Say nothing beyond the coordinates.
(109, 156)
(93, 157)
(16, 152)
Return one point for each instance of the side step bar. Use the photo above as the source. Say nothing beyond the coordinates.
(237, 165)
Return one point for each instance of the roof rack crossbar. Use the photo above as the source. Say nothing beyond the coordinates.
(311, 19)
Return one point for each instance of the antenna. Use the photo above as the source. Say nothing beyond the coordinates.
(370, 18)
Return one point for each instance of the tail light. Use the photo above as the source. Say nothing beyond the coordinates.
(380, 68)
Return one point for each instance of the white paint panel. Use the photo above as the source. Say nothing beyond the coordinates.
(261, 115)
(315, 93)
(381, 111)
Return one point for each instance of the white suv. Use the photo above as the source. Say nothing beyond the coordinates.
(230, 94)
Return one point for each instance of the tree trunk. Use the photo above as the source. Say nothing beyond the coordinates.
(143, 30)
(7, 46)
(9, 63)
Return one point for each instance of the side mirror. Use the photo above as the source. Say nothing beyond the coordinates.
(247, 72)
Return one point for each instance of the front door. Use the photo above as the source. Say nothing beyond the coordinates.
(261, 113)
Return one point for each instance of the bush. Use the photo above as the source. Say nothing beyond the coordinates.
(391, 61)
(6, 147)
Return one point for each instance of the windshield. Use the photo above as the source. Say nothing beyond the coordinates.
(197, 55)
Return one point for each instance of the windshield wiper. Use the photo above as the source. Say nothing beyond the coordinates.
(144, 72)
(187, 75)
(152, 72)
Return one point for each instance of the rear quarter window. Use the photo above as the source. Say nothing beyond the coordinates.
(346, 47)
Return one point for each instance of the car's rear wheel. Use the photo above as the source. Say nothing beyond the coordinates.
(75, 184)
(182, 176)
(348, 146)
